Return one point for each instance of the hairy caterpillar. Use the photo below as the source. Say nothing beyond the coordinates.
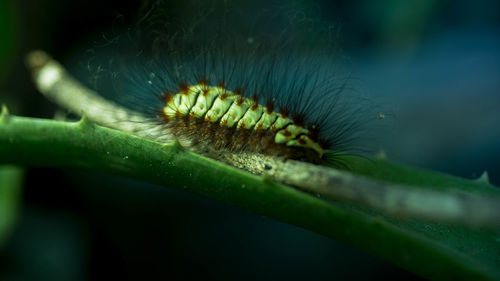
(248, 97)
(275, 93)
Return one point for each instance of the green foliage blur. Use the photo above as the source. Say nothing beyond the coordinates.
(7, 35)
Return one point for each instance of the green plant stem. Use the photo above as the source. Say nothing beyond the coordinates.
(29, 141)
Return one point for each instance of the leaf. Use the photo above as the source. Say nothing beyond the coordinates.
(429, 249)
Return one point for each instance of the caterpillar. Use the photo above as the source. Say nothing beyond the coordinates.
(217, 92)
(280, 93)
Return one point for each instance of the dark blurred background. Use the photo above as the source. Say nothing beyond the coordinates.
(436, 64)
